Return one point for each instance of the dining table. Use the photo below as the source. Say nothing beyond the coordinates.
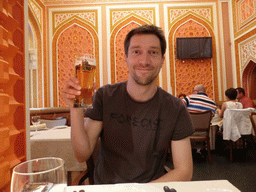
(56, 142)
(186, 186)
(216, 122)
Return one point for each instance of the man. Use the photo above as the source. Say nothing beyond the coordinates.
(246, 101)
(136, 120)
(199, 101)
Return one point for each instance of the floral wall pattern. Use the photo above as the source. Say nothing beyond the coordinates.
(37, 11)
(247, 52)
(245, 15)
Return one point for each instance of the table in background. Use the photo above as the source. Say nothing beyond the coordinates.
(55, 143)
(215, 124)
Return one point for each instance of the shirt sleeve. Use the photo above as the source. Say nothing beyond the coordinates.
(95, 112)
(183, 127)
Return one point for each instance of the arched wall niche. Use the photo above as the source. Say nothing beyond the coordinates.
(80, 31)
(119, 71)
(37, 75)
(211, 75)
(249, 79)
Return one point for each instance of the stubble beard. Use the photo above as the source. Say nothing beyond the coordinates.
(145, 82)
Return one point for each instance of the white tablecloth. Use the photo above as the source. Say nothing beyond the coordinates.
(215, 124)
(193, 186)
(55, 143)
(236, 122)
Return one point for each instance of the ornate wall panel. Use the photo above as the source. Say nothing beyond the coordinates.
(37, 70)
(244, 16)
(245, 52)
(12, 89)
(74, 33)
(185, 74)
(245, 40)
(193, 71)
(37, 12)
(121, 22)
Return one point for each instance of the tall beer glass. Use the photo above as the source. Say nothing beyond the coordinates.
(85, 69)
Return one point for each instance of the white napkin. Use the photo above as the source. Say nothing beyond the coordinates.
(39, 127)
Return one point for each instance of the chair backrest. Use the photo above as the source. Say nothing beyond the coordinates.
(50, 123)
(201, 121)
(91, 165)
(236, 122)
(253, 121)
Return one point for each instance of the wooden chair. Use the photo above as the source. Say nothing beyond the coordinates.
(87, 175)
(202, 122)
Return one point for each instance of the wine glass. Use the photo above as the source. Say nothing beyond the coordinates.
(39, 175)
(35, 121)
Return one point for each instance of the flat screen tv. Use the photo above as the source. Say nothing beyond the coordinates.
(194, 47)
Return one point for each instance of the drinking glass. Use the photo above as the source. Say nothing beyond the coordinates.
(85, 69)
(35, 121)
(39, 175)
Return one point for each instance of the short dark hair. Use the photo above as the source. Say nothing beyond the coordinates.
(182, 95)
(231, 93)
(240, 90)
(146, 29)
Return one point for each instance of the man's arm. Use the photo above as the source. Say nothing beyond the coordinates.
(182, 161)
(84, 136)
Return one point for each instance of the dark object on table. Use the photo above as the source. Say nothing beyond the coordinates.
(167, 189)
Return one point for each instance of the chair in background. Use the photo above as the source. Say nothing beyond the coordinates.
(253, 121)
(201, 122)
(87, 175)
(237, 127)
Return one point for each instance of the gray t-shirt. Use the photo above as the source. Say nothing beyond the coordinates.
(135, 134)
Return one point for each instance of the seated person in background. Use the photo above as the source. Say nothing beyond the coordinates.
(136, 120)
(199, 101)
(181, 96)
(246, 101)
(231, 102)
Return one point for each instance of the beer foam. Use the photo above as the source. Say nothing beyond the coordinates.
(91, 61)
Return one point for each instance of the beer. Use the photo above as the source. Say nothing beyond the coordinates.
(85, 73)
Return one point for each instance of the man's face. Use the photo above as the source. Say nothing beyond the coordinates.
(144, 59)
(239, 95)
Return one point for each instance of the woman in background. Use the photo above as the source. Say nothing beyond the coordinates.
(231, 102)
